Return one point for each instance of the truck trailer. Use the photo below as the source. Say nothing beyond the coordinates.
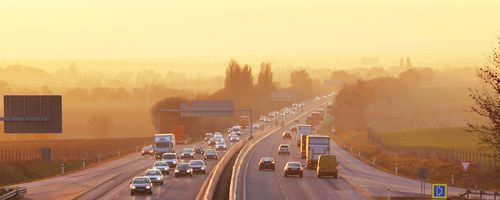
(303, 130)
(316, 145)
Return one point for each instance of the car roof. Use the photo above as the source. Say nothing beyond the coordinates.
(284, 145)
(294, 162)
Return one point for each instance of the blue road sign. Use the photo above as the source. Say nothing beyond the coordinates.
(439, 191)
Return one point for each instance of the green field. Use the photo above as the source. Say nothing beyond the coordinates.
(455, 137)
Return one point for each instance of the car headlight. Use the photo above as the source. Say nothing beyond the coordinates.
(176, 170)
(202, 168)
(132, 187)
(147, 186)
(175, 161)
(189, 170)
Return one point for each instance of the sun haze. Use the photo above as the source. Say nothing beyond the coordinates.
(152, 29)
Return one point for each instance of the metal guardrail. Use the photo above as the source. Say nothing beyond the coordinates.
(210, 184)
(17, 193)
(237, 188)
(480, 194)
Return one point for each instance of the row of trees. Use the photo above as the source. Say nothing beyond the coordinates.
(239, 86)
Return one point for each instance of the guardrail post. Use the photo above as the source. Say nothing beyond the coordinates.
(62, 168)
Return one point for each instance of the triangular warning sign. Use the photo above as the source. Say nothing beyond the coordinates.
(465, 164)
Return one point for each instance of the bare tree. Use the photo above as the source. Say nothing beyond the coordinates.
(100, 125)
(487, 105)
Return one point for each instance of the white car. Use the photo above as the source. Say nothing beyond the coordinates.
(154, 175)
(170, 159)
(256, 126)
(220, 145)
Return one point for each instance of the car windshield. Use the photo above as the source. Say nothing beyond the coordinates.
(267, 159)
(160, 164)
(169, 156)
(183, 166)
(284, 146)
(293, 164)
(187, 150)
(197, 147)
(221, 143)
(210, 151)
(141, 180)
(153, 172)
(196, 162)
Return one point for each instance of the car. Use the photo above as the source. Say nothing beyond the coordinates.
(256, 126)
(234, 138)
(162, 166)
(284, 149)
(220, 145)
(187, 153)
(198, 149)
(327, 166)
(198, 166)
(293, 168)
(317, 98)
(141, 184)
(208, 136)
(218, 137)
(210, 154)
(183, 169)
(148, 150)
(267, 163)
(170, 159)
(287, 135)
(154, 175)
(262, 119)
(211, 142)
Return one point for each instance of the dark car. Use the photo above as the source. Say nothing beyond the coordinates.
(183, 169)
(287, 135)
(211, 142)
(198, 149)
(210, 154)
(198, 166)
(187, 153)
(141, 184)
(267, 163)
(293, 168)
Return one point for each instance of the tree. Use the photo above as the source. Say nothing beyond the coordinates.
(265, 82)
(100, 125)
(487, 105)
(408, 63)
(401, 63)
(301, 83)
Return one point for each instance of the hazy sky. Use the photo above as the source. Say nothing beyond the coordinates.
(163, 28)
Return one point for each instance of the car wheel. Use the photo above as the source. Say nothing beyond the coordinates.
(260, 169)
(301, 175)
(286, 175)
(131, 193)
(274, 169)
(175, 175)
(150, 193)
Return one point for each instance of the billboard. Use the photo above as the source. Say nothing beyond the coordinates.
(213, 108)
(32, 114)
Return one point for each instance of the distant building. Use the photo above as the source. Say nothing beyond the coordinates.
(369, 62)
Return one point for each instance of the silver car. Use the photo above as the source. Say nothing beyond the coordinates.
(154, 175)
(220, 145)
(162, 166)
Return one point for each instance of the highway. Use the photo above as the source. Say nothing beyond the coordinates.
(110, 180)
(273, 184)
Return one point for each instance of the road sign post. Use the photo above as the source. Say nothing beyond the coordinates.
(465, 166)
(439, 191)
(423, 174)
